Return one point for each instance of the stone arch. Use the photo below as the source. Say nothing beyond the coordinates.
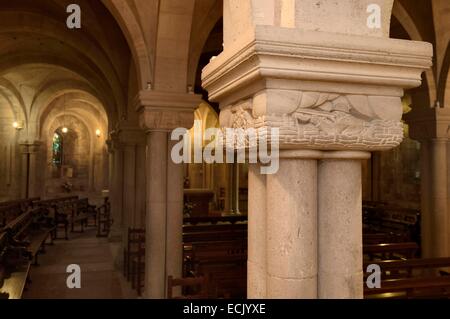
(15, 100)
(200, 33)
(136, 41)
(407, 22)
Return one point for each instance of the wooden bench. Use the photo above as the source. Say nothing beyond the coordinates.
(225, 263)
(191, 288)
(410, 288)
(386, 218)
(104, 220)
(135, 240)
(79, 214)
(395, 269)
(28, 230)
(138, 268)
(390, 251)
(215, 219)
(10, 210)
(14, 268)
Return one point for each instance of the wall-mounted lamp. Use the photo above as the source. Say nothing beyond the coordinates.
(98, 133)
(17, 125)
(65, 130)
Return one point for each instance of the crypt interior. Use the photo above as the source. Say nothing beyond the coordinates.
(86, 117)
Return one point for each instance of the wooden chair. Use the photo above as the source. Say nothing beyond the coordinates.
(192, 288)
(134, 237)
(104, 220)
(138, 268)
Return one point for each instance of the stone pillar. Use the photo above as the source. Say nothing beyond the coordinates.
(292, 229)
(117, 189)
(430, 127)
(116, 198)
(270, 77)
(425, 201)
(236, 187)
(30, 161)
(156, 226)
(134, 176)
(439, 198)
(340, 225)
(175, 196)
(141, 183)
(129, 199)
(257, 229)
(159, 114)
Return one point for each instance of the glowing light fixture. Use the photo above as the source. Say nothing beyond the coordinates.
(98, 133)
(17, 125)
(65, 130)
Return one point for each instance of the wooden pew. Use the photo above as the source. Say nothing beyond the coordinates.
(135, 240)
(214, 219)
(31, 230)
(138, 267)
(11, 209)
(192, 288)
(395, 269)
(223, 262)
(104, 220)
(411, 288)
(14, 268)
(390, 251)
(80, 214)
(385, 218)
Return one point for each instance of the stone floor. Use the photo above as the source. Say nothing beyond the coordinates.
(99, 279)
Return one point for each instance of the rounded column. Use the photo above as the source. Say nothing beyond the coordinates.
(257, 228)
(340, 226)
(292, 229)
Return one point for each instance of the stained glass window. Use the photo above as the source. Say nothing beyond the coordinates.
(57, 158)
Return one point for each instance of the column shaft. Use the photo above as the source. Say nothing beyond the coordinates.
(175, 191)
(156, 235)
(425, 201)
(292, 230)
(129, 196)
(140, 187)
(340, 229)
(439, 196)
(257, 228)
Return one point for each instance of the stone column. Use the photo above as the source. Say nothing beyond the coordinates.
(430, 127)
(129, 200)
(439, 198)
(175, 196)
(236, 187)
(140, 186)
(30, 170)
(116, 198)
(340, 225)
(257, 229)
(159, 114)
(425, 201)
(156, 226)
(349, 99)
(133, 138)
(292, 229)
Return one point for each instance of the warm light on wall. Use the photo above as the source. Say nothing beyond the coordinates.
(17, 125)
(98, 133)
(65, 130)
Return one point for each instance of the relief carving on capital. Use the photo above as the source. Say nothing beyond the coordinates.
(324, 120)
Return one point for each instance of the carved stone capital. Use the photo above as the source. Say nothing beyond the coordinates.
(30, 148)
(166, 111)
(320, 120)
(322, 90)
